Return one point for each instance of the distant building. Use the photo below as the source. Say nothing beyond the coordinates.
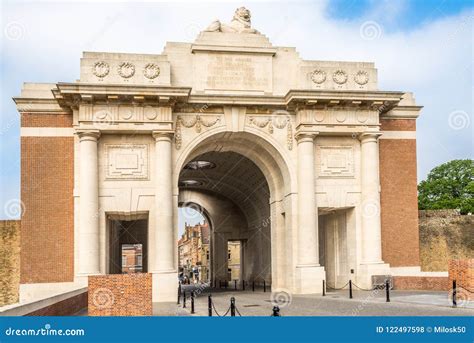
(193, 252)
(132, 258)
(233, 260)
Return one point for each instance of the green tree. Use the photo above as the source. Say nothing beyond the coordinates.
(448, 186)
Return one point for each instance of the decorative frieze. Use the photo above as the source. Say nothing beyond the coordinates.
(338, 116)
(116, 114)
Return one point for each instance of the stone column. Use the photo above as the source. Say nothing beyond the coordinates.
(164, 269)
(307, 210)
(371, 254)
(370, 199)
(309, 274)
(88, 235)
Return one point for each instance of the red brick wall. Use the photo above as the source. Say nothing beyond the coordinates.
(47, 225)
(399, 201)
(66, 307)
(397, 125)
(419, 283)
(46, 120)
(120, 295)
(463, 272)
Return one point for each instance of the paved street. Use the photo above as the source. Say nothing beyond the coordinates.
(372, 303)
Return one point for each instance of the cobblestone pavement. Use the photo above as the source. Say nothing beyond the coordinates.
(337, 303)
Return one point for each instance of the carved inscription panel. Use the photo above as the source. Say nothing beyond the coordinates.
(335, 161)
(231, 71)
(127, 161)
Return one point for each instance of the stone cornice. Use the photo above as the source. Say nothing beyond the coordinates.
(380, 100)
(403, 112)
(72, 94)
(39, 105)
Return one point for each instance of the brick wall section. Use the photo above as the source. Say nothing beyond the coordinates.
(397, 125)
(66, 307)
(120, 295)
(46, 120)
(399, 202)
(47, 227)
(463, 272)
(421, 283)
(9, 261)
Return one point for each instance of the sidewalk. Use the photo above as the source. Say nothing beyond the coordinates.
(337, 303)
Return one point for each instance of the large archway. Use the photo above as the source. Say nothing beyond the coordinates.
(240, 181)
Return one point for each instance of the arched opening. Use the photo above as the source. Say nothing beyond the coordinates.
(193, 244)
(240, 186)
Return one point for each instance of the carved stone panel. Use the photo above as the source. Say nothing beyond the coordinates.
(335, 161)
(127, 161)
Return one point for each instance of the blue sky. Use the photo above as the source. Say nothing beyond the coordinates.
(420, 46)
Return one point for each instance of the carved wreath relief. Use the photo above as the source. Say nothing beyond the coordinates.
(279, 121)
(339, 77)
(151, 71)
(126, 70)
(361, 78)
(196, 121)
(318, 76)
(101, 69)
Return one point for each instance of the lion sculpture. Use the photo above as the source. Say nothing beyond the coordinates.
(240, 23)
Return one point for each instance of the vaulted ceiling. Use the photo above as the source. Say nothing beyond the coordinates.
(235, 177)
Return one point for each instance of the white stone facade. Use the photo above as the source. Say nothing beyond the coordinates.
(310, 128)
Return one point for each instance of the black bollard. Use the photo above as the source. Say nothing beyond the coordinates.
(232, 307)
(350, 289)
(276, 312)
(179, 292)
(209, 305)
(253, 286)
(184, 299)
(243, 285)
(235, 284)
(387, 291)
(225, 284)
(455, 303)
(324, 288)
(192, 302)
(264, 286)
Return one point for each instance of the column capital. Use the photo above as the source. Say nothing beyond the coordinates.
(366, 137)
(88, 135)
(162, 135)
(305, 136)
